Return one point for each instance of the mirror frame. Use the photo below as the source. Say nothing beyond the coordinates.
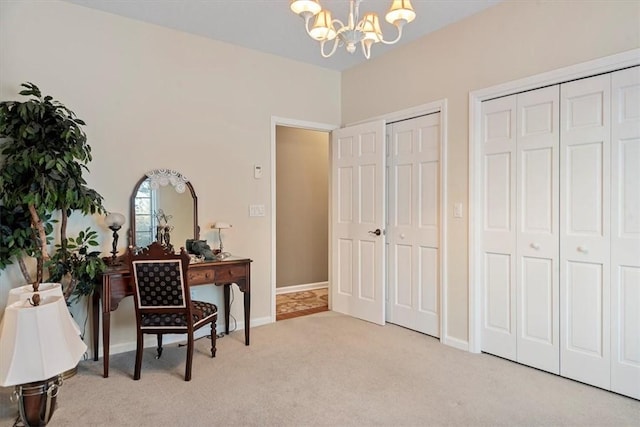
(132, 211)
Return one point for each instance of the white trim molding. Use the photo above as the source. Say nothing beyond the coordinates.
(598, 66)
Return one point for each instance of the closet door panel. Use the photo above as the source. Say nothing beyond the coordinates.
(414, 227)
(499, 227)
(625, 235)
(537, 228)
(585, 230)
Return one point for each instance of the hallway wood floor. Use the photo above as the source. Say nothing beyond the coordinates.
(296, 304)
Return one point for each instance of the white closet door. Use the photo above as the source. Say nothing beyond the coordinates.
(537, 229)
(414, 228)
(585, 230)
(498, 227)
(625, 232)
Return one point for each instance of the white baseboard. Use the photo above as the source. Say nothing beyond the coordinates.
(150, 341)
(300, 288)
(456, 343)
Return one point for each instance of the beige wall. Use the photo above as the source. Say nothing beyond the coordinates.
(510, 41)
(157, 98)
(302, 191)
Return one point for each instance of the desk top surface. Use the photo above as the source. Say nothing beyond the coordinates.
(123, 267)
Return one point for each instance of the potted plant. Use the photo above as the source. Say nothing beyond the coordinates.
(43, 154)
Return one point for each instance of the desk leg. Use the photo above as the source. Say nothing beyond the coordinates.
(227, 303)
(247, 316)
(106, 323)
(95, 313)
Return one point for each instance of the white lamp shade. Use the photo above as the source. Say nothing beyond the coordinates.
(114, 219)
(46, 290)
(37, 342)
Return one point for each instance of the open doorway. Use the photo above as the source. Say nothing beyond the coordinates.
(301, 221)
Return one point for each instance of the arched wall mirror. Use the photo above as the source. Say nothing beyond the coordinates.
(164, 208)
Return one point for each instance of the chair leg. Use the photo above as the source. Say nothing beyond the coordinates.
(159, 346)
(139, 349)
(187, 374)
(214, 336)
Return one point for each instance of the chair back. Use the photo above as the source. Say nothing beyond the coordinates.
(160, 278)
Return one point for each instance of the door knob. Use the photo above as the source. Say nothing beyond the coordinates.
(535, 246)
(377, 232)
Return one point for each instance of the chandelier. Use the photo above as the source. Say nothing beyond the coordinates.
(365, 31)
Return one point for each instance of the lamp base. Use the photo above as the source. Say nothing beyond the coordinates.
(37, 401)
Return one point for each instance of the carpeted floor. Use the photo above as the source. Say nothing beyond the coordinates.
(296, 304)
(328, 369)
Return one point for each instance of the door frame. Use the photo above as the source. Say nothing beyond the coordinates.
(405, 114)
(293, 123)
(586, 69)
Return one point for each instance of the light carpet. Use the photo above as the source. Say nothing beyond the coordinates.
(327, 369)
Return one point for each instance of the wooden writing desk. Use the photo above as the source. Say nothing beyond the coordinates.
(117, 284)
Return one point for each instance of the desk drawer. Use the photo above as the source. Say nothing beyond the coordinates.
(230, 274)
(200, 277)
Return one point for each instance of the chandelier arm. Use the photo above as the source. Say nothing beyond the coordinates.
(307, 19)
(399, 27)
(333, 50)
(339, 22)
(366, 48)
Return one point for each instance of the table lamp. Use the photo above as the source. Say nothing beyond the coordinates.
(37, 345)
(114, 221)
(220, 226)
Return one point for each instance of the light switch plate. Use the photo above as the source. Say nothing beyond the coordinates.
(257, 171)
(457, 210)
(256, 210)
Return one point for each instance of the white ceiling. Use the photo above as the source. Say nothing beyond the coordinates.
(270, 26)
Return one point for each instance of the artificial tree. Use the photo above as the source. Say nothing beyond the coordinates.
(44, 153)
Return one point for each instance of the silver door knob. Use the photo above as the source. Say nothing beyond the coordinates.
(377, 232)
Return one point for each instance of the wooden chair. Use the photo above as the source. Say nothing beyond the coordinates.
(163, 302)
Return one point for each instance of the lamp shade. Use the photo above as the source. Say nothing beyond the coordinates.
(114, 219)
(46, 290)
(37, 342)
(400, 11)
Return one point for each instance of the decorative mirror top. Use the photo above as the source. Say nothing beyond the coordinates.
(164, 177)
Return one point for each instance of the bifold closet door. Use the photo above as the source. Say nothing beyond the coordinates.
(625, 232)
(585, 230)
(520, 241)
(537, 230)
(499, 227)
(413, 232)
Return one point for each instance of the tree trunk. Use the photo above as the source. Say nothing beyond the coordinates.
(36, 223)
(63, 230)
(23, 269)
